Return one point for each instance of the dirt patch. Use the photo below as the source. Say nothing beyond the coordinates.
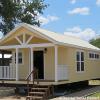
(12, 98)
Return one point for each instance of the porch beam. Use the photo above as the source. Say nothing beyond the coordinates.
(18, 40)
(24, 38)
(56, 63)
(30, 38)
(17, 77)
(28, 46)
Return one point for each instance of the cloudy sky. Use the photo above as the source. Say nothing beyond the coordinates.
(79, 18)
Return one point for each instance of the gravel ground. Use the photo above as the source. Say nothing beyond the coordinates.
(12, 98)
(82, 93)
(65, 97)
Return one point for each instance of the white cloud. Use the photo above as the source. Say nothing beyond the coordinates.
(47, 19)
(86, 34)
(43, 20)
(98, 2)
(52, 18)
(73, 1)
(81, 11)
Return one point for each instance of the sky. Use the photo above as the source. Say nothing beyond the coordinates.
(79, 18)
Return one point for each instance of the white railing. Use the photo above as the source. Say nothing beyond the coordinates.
(7, 72)
(62, 73)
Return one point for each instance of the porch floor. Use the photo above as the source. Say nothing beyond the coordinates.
(23, 82)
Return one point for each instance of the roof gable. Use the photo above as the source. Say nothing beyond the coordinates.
(55, 37)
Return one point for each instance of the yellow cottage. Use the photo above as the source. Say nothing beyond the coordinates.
(58, 58)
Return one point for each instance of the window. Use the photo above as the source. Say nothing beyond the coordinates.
(94, 56)
(7, 55)
(0, 55)
(20, 58)
(80, 61)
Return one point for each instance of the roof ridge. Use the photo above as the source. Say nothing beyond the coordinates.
(53, 31)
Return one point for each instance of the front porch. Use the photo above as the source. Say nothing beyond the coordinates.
(52, 71)
(24, 45)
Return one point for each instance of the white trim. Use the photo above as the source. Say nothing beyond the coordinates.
(32, 29)
(32, 62)
(56, 63)
(94, 56)
(29, 60)
(42, 49)
(38, 32)
(18, 40)
(30, 38)
(22, 57)
(17, 71)
(29, 28)
(80, 71)
(28, 46)
(20, 51)
(24, 38)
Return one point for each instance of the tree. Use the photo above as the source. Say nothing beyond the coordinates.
(13, 12)
(95, 42)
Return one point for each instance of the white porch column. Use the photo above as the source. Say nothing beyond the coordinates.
(56, 63)
(31, 62)
(17, 69)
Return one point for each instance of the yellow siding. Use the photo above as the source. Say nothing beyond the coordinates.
(49, 64)
(12, 41)
(23, 68)
(38, 40)
(66, 56)
(92, 67)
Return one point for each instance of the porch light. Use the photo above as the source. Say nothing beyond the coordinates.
(45, 50)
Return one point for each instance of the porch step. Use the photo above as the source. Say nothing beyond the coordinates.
(41, 86)
(37, 93)
(34, 98)
(39, 89)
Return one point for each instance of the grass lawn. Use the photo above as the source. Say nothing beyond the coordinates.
(95, 95)
(94, 82)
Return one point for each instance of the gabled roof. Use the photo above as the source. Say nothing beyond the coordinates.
(56, 38)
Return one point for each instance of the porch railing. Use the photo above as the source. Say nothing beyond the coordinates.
(62, 72)
(33, 75)
(7, 72)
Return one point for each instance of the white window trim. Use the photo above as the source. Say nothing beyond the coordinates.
(94, 57)
(80, 61)
(22, 57)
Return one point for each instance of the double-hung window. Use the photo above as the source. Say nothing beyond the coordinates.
(20, 58)
(80, 61)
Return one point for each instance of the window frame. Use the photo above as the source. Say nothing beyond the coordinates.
(94, 58)
(18, 57)
(80, 62)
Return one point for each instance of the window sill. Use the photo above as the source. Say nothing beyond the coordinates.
(80, 72)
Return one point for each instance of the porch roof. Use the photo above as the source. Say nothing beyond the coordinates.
(56, 38)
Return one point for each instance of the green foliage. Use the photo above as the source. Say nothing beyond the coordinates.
(17, 11)
(95, 42)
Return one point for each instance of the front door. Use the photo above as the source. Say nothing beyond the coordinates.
(39, 63)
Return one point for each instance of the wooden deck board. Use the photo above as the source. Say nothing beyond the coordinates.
(41, 82)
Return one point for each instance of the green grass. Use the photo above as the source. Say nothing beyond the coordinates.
(95, 95)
